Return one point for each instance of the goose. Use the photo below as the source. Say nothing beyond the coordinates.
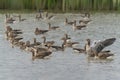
(58, 48)
(70, 23)
(38, 54)
(22, 45)
(28, 46)
(85, 21)
(52, 27)
(86, 14)
(38, 31)
(86, 18)
(8, 28)
(9, 19)
(48, 17)
(13, 34)
(81, 23)
(68, 43)
(79, 27)
(7, 15)
(18, 43)
(41, 49)
(48, 43)
(20, 18)
(16, 31)
(35, 42)
(15, 41)
(79, 50)
(10, 35)
(66, 37)
(96, 50)
(39, 16)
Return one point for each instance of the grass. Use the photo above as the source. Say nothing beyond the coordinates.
(61, 5)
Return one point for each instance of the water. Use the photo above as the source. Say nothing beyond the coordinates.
(68, 65)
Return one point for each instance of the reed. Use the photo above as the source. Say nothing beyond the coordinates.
(61, 5)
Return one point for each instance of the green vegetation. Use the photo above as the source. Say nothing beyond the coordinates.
(61, 5)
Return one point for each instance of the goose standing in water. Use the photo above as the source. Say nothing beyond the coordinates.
(96, 50)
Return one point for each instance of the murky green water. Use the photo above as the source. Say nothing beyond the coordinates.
(68, 65)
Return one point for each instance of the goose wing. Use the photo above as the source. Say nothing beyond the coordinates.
(102, 44)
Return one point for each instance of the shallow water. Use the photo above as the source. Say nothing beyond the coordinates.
(68, 65)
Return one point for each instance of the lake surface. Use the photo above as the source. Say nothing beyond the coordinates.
(16, 64)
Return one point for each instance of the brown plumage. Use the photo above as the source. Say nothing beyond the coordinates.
(47, 16)
(79, 50)
(86, 18)
(59, 48)
(65, 37)
(38, 54)
(47, 43)
(79, 27)
(53, 27)
(39, 16)
(96, 50)
(20, 18)
(38, 31)
(70, 23)
(69, 43)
